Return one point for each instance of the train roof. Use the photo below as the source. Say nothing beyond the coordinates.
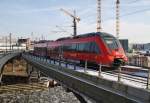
(102, 34)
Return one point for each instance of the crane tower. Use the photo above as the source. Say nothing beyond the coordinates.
(117, 18)
(75, 20)
(99, 16)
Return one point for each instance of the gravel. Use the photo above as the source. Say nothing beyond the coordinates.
(51, 95)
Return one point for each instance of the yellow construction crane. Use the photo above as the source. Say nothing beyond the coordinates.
(75, 20)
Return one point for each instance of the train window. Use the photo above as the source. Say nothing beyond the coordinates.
(111, 42)
(81, 47)
(87, 47)
(72, 47)
(65, 48)
(90, 47)
(94, 48)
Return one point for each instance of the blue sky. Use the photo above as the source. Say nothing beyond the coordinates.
(22, 17)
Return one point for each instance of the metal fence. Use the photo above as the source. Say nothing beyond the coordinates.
(119, 73)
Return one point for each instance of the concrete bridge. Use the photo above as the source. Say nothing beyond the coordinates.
(90, 87)
(4, 59)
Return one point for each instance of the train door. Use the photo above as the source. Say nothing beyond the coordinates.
(96, 53)
(61, 52)
(83, 51)
(89, 51)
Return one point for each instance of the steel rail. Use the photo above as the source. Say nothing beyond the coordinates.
(115, 73)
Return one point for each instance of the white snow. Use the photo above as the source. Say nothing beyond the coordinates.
(107, 75)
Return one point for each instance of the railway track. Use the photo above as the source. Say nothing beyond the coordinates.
(128, 75)
(22, 88)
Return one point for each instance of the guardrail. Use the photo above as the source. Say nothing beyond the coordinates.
(2, 54)
(89, 85)
(119, 73)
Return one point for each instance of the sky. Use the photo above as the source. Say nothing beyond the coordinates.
(43, 19)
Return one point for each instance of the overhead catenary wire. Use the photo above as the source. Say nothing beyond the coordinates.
(127, 14)
(125, 7)
(134, 1)
(135, 12)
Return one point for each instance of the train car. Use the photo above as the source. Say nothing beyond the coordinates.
(40, 49)
(95, 48)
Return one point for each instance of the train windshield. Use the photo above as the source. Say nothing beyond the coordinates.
(111, 42)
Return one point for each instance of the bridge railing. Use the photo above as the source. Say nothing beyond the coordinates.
(122, 74)
(4, 53)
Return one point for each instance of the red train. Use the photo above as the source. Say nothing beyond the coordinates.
(95, 48)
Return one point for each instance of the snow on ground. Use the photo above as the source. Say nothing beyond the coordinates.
(105, 75)
(134, 67)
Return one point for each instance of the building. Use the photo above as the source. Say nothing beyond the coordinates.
(25, 42)
(125, 44)
(147, 46)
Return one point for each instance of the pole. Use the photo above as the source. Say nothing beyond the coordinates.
(119, 74)
(6, 43)
(74, 25)
(99, 16)
(85, 68)
(10, 40)
(100, 71)
(117, 18)
(148, 79)
(66, 63)
(18, 43)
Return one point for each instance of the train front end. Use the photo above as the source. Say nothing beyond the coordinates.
(116, 55)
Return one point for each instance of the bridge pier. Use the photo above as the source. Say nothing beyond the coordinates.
(33, 73)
